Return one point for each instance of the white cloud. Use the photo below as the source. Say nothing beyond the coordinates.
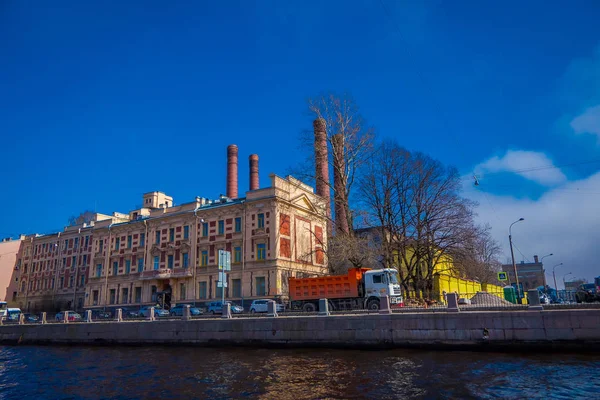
(526, 164)
(564, 221)
(588, 122)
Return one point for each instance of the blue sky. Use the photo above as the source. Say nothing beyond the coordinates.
(102, 101)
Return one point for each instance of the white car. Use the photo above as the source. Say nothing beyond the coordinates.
(261, 306)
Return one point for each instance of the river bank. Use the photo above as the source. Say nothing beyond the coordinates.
(558, 329)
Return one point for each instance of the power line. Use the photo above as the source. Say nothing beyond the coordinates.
(538, 168)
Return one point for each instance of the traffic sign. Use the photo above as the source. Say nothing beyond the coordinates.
(224, 260)
(502, 276)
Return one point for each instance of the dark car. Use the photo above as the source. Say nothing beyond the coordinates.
(130, 313)
(99, 314)
(587, 293)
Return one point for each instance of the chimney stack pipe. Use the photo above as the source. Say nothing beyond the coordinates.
(232, 171)
(322, 162)
(253, 161)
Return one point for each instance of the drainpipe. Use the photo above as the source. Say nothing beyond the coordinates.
(77, 269)
(59, 259)
(243, 250)
(107, 263)
(146, 239)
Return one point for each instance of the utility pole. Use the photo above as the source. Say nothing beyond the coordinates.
(512, 255)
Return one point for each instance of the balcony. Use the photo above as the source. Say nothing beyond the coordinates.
(166, 273)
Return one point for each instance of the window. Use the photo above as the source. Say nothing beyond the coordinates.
(129, 241)
(112, 296)
(157, 239)
(71, 279)
(82, 283)
(218, 292)
(115, 268)
(125, 295)
(170, 262)
(172, 235)
(101, 246)
(153, 293)
(378, 278)
(142, 239)
(205, 229)
(140, 264)
(186, 232)
(76, 242)
(127, 266)
(73, 261)
(261, 251)
(117, 243)
(236, 287)
(260, 286)
(95, 296)
(204, 258)
(52, 283)
(221, 230)
(138, 294)
(185, 260)
(237, 255)
(62, 282)
(98, 270)
(202, 290)
(261, 220)
(182, 291)
(85, 259)
(156, 262)
(238, 224)
(87, 241)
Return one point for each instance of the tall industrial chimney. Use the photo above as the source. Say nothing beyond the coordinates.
(339, 195)
(232, 171)
(253, 160)
(322, 162)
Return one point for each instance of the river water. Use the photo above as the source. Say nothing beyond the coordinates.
(155, 372)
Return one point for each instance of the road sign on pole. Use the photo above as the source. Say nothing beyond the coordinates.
(502, 276)
(224, 260)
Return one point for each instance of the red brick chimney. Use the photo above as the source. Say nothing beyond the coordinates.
(322, 162)
(253, 159)
(535, 259)
(232, 171)
(339, 164)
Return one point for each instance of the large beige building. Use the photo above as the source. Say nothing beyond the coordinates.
(169, 254)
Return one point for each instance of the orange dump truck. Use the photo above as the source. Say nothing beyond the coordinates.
(361, 288)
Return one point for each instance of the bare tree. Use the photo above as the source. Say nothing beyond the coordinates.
(415, 201)
(84, 218)
(349, 144)
(478, 258)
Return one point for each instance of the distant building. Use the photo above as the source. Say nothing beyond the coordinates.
(531, 275)
(574, 284)
(9, 249)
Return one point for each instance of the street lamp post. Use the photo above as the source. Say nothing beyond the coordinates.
(554, 275)
(512, 255)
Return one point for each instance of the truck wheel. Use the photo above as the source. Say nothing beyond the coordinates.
(309, 307)
(373, 305)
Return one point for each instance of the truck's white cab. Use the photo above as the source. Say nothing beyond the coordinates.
(383, 282)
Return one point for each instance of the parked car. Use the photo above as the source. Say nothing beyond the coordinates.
(260, 306)
(31, 318)
(587, 293)
(100, 314)
(12, 314)
(216, 307)
(158, 312)
(73, 316)
(130, 313)
(544, 299)
(178, 310)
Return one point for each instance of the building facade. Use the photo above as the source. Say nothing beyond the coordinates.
(9, 250)
(169, 254)
(531, 275)
(52, 269)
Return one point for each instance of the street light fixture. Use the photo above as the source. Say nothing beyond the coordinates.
(512, 255)
(554, 275)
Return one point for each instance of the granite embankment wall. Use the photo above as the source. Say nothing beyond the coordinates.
(553, 329)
